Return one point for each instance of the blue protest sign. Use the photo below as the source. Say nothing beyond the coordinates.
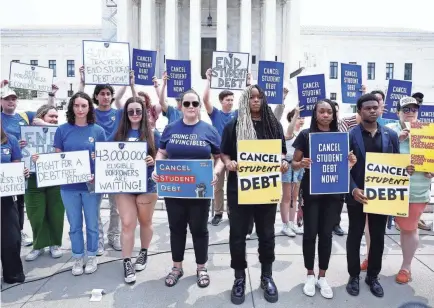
(144, 66)
(329, 171)
(396, 90)
(270, 79)
(185, 178)
(179, 73)
(426, 114)
(351, 83)
(311, 89)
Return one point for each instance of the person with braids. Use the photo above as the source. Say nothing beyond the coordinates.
(135, 126)
(255, 121)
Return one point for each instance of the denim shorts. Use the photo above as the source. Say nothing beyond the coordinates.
(292, 176)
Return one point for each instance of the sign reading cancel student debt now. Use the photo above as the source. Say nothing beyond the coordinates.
(229, 70)
(351, 83)
(12, 181)
(179, 74)
(422, 146)
(270, 79)
(30, 77)
(106, 63)
(144, 66)
(387, 184)
(311, 89)
(120, 167)
(397, 89)
(63, 168)
(39, 140)
(259, 176)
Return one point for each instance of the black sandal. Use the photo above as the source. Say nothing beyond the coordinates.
(202, 278)
(174, 276)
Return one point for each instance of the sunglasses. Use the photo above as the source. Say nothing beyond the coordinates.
(409, 109)
(187, 104)
(133, 112)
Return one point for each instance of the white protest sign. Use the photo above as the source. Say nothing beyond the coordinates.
(63, 168)
(30, 77)
(229, 70)
(106, 63)
(39, 140)
(120, 167)
(12, 181)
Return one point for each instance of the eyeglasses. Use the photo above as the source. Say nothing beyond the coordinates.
(187, 104)
(133, 112)
(410, 109)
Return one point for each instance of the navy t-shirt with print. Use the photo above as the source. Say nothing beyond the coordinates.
(219, 118)
(12, 123)
(108, 120)
(10, 150)
(172, 114)
(182, 141)
(69, 138)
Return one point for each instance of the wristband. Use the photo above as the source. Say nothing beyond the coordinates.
(51, 94)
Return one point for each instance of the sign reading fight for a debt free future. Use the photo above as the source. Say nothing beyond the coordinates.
(270, 79)
(229, 70)
(351, 83)
(426, 114)
(329, 172)
(397, 89)
(185, 178)
(311, 89)
(387, 184)
(179, 73)
(12, 181)
(143, 65)
(30, 77)
(63, 168)
(259, 176)
(39, 140)
(422, 146)
(106, 63)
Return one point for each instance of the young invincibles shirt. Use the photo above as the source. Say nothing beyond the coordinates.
(12, 123)
(108, 120)
(219, 118)
(10, 150)
(69, 138)
(172, 114)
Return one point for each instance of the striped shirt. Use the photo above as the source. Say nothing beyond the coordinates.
(345, 124)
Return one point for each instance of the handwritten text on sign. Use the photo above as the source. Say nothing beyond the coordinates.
(120, 167)
(422, 146)
(179, 73)
(39, 141)
(144, 66)
(29, 77)
(270, 79)
(106, 63)
(12, 182)
(63, 168)
(311, 89)
(229, 70)
(397, 89)
(351, 83)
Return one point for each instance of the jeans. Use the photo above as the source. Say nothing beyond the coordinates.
(76, 202)
(114, 223)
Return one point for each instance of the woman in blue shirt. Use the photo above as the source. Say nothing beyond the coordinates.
(135, 126)
(188, 138)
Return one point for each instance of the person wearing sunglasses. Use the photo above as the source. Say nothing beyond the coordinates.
(189, 138)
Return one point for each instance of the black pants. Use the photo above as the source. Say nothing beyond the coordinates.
(193, 212)
(319, 215)
(377, 229)
(10, 239)
(264, 216)
(20, 206)
(339, 211)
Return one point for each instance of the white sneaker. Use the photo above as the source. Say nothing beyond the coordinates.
(25, 239)
(34, 254)
(309, 286)
(299, 230)
(248, 236)
(287, 230)
(101, 248)
(56, 252)
(325, 290)
(115, 242)
(91, 265)
(77, 268)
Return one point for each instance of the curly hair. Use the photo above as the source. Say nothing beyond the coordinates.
(70, 115)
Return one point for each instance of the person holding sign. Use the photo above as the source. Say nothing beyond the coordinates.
(255, 121)
(171, 113)
(319, 211)
(188, 138)
(135, 126)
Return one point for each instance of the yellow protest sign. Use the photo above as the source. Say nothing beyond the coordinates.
(387, 184)
(422, 146)
(259, 176)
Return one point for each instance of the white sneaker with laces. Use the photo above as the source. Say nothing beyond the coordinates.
(56, 252)
(115, 242)
(91, 265)
(25, 239)
(77, 268)
(309, 286)
(287, 230)
(34, 254)
(101, 249)
(325, 290)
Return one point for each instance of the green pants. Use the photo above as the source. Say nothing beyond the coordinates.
(46, 213)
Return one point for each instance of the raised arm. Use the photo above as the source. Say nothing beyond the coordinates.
(206, 100)
(156, 86)
(162, 96)
(52, 95)
(121, 92)
(81, 84)
(291, 127)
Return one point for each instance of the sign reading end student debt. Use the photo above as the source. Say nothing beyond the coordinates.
(39, 140)
(387, 184)
(63, 168)
(12, 181)
(397, 89)
(270, 79)
(229, 70)
(120, 167)
(259, 176)
(311, 89)
(185, 178)
(106, 63)
(144, 66)
(179, 73)
(30, 77)
(329, 172)
(351, 83)
(422, 146)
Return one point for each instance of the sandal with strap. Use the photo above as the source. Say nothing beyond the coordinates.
(202, 278)
(174, 276)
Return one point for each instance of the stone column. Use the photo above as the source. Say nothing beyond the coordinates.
(246, 26)
(222, 25)
(123, 20)
(270, 28)
(170, 29)
(147, 25)
(195, 49)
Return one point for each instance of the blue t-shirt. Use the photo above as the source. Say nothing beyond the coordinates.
(69, 138)
(172, 114)
(12, 123)
(108, 120)
(384, 122)
(219, 118)
(182, 141)
(10, 150)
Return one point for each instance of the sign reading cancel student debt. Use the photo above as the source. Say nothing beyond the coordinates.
(106, 63)
(397, 89)
(120, 167)
(351, 83)
(426, 114)
(422, 146)
(259, 176)
(329, 172)
(270, 79)
(30, 77)
(229, 70)
(311, 89)
(63, 168)
(12, 181)
(144, 66)
(39, 140)
(387, 184)
(185, 178)
(179, 73)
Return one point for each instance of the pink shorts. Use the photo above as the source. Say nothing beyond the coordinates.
(410, 223)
